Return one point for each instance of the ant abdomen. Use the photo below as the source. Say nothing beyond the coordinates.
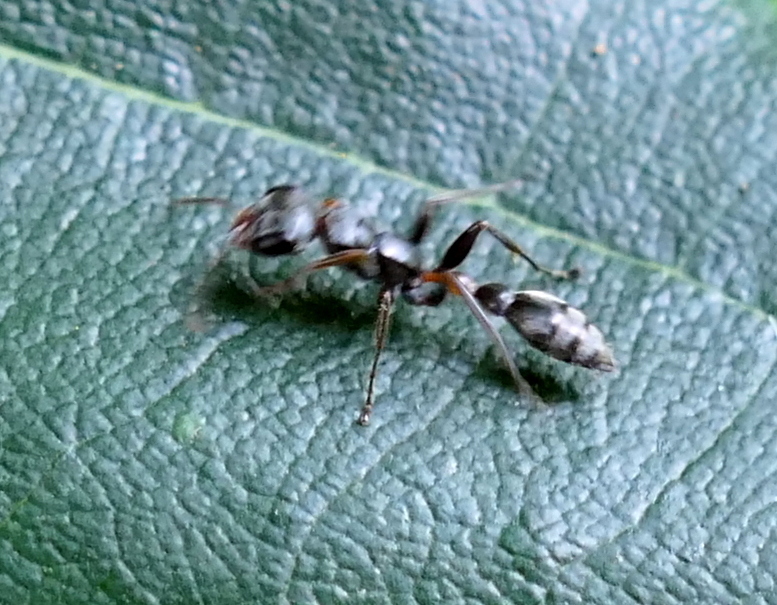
(550, 325)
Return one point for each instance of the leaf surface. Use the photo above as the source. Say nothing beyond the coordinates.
(143, 462)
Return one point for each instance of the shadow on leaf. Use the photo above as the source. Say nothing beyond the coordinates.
(550, 389)
(220, 295)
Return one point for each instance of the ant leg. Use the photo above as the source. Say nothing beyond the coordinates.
(385, 303)
(457, 285)
(201, 200)
(424, 219)
(184, 201)
(338, 259)
(462, 246)
(225, 245)
(193, 312)
(220, 201)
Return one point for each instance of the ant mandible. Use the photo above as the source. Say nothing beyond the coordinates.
(285, 221)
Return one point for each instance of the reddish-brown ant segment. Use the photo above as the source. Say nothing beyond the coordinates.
(460, 285)
(345, 258)
(285, 221)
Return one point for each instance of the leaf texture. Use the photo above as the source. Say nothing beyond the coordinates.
(141, 462)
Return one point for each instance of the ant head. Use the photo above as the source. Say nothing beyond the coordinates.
(281, 222)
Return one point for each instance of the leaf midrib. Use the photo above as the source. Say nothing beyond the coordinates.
(367, 167)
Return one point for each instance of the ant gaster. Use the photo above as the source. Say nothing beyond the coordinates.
(284, 221)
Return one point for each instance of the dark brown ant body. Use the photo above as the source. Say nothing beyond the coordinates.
(284, 221)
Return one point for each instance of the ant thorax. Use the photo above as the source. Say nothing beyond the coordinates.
(341, 228)
(398, 259)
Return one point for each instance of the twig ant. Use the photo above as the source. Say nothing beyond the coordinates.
(285, 221)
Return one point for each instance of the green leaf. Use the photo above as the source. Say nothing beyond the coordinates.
(142, 462)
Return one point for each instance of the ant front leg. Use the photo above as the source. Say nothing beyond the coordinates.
(281, 222)
(219, 201)
(424, 219)
(354, 256)
(462, 246)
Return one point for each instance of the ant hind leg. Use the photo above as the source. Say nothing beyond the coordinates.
(462, 246)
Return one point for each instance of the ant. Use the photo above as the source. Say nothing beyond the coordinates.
(285, 221)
